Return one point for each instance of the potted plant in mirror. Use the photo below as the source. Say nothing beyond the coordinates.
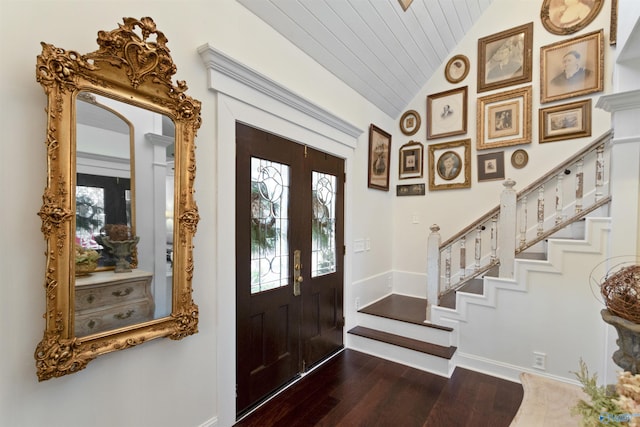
(121, 243)
(620, 289)
(86, 260)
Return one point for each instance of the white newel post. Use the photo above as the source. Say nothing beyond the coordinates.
(433, 268)
(507, 229)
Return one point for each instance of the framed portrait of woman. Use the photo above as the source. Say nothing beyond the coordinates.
(568, 16)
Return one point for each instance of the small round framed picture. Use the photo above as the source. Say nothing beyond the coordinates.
(519, 159)
(410, 122)
(457, 69)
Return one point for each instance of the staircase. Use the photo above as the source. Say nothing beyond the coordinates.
(394, 328)
(547, 251)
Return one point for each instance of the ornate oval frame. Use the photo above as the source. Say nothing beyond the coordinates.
(551, 24)
(458, 60)
(132, 68)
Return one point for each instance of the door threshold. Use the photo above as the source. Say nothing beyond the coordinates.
(288, 385)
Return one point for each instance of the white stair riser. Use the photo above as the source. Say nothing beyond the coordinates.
(415, 359)
(405, 329)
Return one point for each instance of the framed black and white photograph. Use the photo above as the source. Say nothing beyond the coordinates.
(572, 67)
(490, 166)
(504, 119)
(566, 121)
(504, 58)
(379, 158)
(447, 113)
(411, 160)
(450, 165)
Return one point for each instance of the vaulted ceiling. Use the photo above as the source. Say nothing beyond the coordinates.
(384, 53)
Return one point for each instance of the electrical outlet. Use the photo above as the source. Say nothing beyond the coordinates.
(539, 360)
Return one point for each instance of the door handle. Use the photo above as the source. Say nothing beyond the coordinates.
(297, 273)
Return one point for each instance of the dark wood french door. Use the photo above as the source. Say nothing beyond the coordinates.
(289, 261)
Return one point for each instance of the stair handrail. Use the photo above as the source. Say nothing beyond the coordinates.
(435, 284)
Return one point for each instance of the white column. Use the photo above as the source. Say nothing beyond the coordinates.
(162, 292)
(433, 268)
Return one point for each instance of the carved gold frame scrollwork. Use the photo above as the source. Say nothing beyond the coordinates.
(133, 65)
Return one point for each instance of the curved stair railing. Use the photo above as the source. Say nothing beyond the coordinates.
(563, 196)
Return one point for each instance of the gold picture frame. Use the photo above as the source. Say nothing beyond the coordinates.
(572, 67)
(447, 113)
(457, 69)
(504, 119)
(566, 121)
(450, 165)
(519, 159)
(504, 58)
(411, 160)
(410, 122)
(562, 19)
(379, 158)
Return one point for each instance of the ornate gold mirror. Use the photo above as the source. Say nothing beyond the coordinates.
(121, 167)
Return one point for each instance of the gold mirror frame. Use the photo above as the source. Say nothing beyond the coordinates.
(132, 65)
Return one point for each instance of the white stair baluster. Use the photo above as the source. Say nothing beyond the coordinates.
(579, 184)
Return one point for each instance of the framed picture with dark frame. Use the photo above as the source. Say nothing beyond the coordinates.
(566, 121)
(447, 113)
(410, 190)
(491, 166)
(504, 119)
(411, 160)
(561, 17)
(379, 158)
(572, 67)
(504, 58)
(450, 165)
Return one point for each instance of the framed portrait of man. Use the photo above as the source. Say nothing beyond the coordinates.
(572, 67)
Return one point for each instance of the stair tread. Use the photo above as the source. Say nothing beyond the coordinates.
(400, 341)
(403, 308)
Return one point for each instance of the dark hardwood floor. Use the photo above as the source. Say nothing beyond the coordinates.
(356, 389)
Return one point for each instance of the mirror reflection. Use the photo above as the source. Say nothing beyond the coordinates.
(124, 214)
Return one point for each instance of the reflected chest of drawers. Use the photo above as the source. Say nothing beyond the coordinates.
(106, 300)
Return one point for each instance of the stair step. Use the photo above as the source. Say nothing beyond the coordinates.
(532, 255)
(403, 308)
(404, 342)
(475, 286)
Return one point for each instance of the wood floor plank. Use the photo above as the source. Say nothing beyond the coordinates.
(356, 389)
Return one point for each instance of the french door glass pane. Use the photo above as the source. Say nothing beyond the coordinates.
(269, 225)
(323, 224)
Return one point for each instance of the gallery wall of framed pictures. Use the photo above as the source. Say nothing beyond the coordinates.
(507, 89)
